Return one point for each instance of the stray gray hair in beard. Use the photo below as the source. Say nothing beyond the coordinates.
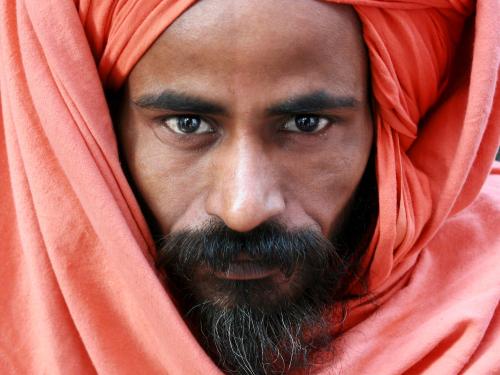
(246, 340)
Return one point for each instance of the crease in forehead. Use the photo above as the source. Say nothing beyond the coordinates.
(257, 39)
(233, 13)
(253, 24)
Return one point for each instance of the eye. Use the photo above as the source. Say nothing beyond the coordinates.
(306, 124)
(187, 125)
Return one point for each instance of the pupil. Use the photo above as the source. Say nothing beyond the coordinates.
(188, 124)
(307, 123)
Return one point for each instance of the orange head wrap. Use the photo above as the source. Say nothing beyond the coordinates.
(79, 289)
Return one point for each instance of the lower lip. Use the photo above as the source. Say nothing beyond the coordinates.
(246, 271)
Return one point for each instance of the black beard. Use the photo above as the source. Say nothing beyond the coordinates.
(252, 327)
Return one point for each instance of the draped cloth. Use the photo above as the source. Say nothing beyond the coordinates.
(79, 292)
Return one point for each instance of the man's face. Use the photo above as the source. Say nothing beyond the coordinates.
(246, 130)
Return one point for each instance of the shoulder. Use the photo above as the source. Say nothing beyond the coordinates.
(466, 257)
(476, 229)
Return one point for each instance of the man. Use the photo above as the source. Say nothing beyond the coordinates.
(317, 200)
(236, 145)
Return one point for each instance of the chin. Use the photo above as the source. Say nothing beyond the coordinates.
(270, 325)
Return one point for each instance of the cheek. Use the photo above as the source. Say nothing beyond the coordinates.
(323, 180)
(168, 182)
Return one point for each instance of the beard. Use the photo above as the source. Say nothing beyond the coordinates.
(282, 322)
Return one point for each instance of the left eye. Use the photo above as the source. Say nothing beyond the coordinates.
(306, 124)
(187, 125)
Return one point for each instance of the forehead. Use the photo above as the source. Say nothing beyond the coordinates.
(247, 47)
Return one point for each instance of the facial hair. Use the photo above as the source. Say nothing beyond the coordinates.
(252, 326)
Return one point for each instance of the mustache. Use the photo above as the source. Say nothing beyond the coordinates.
(270, 244)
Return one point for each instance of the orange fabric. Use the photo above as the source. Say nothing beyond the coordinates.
(79, 292)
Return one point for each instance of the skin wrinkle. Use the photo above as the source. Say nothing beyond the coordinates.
(250, 184)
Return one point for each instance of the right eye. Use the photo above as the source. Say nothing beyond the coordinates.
(186, 124)
(306, 124)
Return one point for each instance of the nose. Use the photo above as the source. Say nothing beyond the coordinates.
(245, 189)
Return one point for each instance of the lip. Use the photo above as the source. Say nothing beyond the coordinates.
(246, 270)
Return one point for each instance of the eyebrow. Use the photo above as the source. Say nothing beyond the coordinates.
(313, 102)
(179, 102)
(306, 103)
